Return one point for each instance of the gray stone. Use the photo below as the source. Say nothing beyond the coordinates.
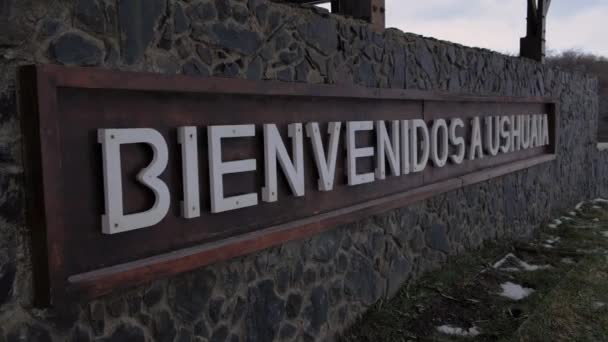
(282, 279)
(202, 12)
(362, 281)
(285, 75)
(195, 68)
(201, 330)
(229, 69)
(28, 333)
(233, 38)
(164, 327)
(7, 277)
(215, 309)
(325, 246)
(437, 238)
(191, 294)
(399, 272)
(91, 15)
(184, 335)
(97, 319)
(73, 48)
(79, 335)
(138, 19)
(294, 305)
(181, 23)
(320, 32)
(254, 69)
(287, 331)
(417, 243)
(265, 313)
(125, 332)
(320, 304)
(153, 296)
(220, 334)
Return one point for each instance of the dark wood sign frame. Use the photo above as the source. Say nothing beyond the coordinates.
(48, 97)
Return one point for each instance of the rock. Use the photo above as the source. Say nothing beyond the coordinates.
(302, 71)
(287, 332)
(195, 68)
(75, 49)
(201, 330)
(202, 12)
(265, 313)
(115, 307)
(126, 332)
(239, 309)
(310, 276)
(153, 295)
(437, 238)
(235, 38)
(229, 69)
(320, 32)
(91, 15)
(181, 23)
(7, 278)
(96, 317)
(335, 292)
(80, 335)
(184, 335)
(254, 69)
(282, 279)
(220, 334)
(325, 246)
(164, 327)
(137, 20)
(399, 271)
(191, 294)
(29, 333)
(288, 57)
(285, 75)
(294, 304)
(417, 243)
(362, 281)
(320, 303)
(215, 309)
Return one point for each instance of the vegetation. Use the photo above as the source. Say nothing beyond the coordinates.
(565, 266)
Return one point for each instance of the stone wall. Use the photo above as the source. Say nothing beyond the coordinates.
(304, 290)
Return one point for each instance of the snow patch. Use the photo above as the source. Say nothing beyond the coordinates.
(552, 226)
(600, 200)
(567, 261)
(552, 240)
(522, 265)
(572, 213)
(579, 206)
(566, 218)
(598, 305)
(456, 331)
(596, 220)
(605, 234)
(514, 291)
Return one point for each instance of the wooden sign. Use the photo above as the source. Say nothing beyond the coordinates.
(135, 176)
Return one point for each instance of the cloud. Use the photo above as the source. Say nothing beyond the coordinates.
(499, 24)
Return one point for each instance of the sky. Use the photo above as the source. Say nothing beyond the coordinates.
(498, 24)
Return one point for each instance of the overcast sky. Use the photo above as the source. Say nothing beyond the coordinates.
(498, 24)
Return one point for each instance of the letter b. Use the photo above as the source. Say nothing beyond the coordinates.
(115, 221)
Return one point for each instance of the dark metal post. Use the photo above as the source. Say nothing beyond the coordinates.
(533, 44)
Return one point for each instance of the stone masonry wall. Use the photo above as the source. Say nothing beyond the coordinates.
(304, 290)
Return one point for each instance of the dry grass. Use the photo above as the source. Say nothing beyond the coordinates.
(569, 303)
